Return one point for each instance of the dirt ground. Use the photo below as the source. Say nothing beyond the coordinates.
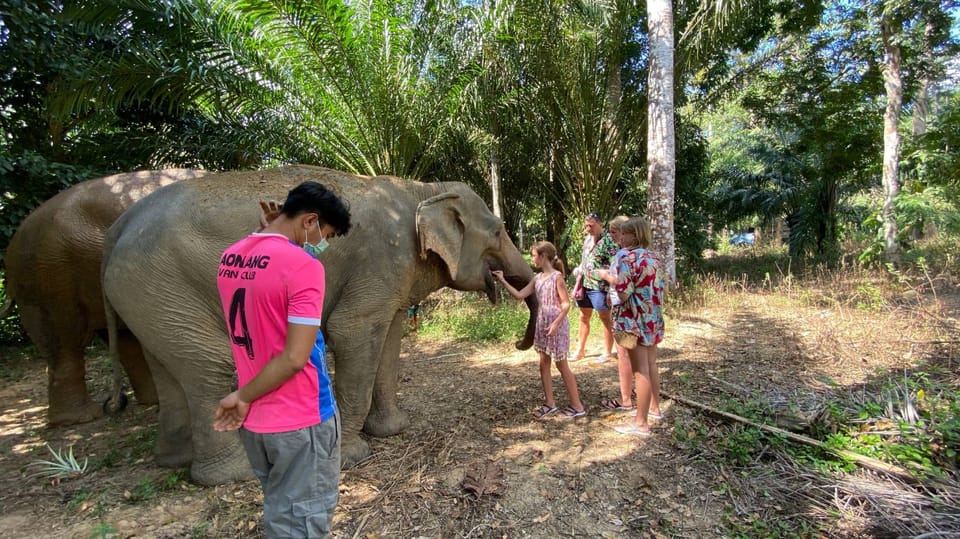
(471, 407)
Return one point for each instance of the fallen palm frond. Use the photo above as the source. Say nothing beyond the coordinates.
(867, 462)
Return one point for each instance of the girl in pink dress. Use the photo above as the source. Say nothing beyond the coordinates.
(552, 338)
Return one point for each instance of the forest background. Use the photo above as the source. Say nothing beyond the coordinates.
(779, 107)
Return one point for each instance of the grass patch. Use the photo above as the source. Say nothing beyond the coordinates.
(470, 317)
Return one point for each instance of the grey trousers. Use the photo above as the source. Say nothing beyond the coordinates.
(300, 473)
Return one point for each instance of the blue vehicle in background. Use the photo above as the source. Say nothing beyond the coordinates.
(743, 238)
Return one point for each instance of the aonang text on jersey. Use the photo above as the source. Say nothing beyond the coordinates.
(232, 260)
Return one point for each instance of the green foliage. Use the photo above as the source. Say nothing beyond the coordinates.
(919, 212)
(471, 319)
(60, 467)
(10, 330)
(801, 136)
(937, 153)
(749, 527)
(104, 531)
(144, 491)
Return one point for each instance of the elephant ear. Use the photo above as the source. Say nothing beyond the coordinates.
(440, 229)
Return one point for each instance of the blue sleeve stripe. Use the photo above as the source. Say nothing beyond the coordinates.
(303, 320)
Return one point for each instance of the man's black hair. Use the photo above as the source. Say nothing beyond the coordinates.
(313, 197)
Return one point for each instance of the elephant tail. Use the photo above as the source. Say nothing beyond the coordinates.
(118, 398)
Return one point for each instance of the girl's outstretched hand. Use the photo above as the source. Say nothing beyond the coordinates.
(497, 273)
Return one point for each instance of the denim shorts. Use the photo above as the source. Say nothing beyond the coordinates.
(593, 299)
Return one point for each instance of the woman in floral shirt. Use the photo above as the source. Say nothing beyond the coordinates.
(639, 320)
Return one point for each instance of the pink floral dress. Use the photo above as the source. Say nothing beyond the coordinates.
(556, 346)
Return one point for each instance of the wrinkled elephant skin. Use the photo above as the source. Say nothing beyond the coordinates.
(408, 240)
(53, 275)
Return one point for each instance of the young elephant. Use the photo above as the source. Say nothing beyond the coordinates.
(408, 239)
(53, 275)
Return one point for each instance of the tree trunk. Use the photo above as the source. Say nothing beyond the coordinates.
(661, 146)
(891, 136)
(921, 106)
(495, 184)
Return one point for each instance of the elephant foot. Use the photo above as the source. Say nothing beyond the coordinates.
(172, 458)
(174, 449)
(226, 466)
(386, 422)
(353, 449)
(60, 414)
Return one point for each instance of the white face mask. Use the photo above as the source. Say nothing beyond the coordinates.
(316, 249)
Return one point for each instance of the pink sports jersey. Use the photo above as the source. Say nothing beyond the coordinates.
(265, 282)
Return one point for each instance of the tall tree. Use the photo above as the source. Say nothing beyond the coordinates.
(661, 146)
(891, 29)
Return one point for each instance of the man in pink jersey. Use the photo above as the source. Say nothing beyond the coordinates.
(271, 286)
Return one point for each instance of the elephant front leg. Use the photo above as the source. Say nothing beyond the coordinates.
(356, 353)
(385, 417)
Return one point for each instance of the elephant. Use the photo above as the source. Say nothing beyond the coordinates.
(53, 275)
(408, 239)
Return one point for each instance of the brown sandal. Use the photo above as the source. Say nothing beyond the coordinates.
(544, 411)
(614, 404)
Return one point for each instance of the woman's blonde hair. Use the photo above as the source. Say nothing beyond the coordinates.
(640, 228)
(547, 249)
(617, 222)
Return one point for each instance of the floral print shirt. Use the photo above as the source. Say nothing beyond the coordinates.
(596, 255)
(640, 279)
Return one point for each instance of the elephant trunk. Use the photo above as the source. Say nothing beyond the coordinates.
(517, 282)
(490, 286)
(527, 341)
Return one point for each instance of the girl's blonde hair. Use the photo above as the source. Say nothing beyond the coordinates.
(547, 249)
(617, 222)
(640, 228)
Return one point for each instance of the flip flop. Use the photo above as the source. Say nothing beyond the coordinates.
(570, 412)
(652, 415)
(631, 429)
(614, 404)
(544, 411)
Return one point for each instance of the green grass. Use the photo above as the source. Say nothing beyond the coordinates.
(471, 318)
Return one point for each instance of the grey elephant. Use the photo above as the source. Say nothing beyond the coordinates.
(53, 275)
(408, 240)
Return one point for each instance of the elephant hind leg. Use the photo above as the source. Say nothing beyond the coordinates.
(174, 441)
(62, 346)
